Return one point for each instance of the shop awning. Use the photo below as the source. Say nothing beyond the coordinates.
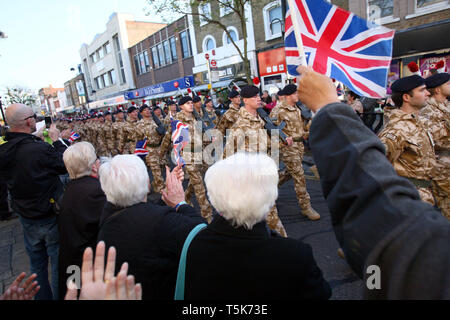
(424, 38)
(115, 101)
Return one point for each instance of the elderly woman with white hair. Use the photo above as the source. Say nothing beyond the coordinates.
(81, 208)
(237, 256)
(147, 236)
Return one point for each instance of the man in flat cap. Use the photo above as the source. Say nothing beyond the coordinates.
(116, 129)
(409, 146)
(437, 113)
(292, 156)
(127, 135)
(230, 117)
(193, 157)
(146, 128)
(248, 134)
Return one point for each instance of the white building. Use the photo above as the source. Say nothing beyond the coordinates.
(106, 62)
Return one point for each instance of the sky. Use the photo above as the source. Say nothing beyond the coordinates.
(45, 36)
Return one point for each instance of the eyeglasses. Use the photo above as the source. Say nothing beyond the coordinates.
(33, 116)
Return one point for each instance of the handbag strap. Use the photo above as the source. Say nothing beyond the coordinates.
(179, 289)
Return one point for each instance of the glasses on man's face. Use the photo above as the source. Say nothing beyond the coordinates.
(33, 116)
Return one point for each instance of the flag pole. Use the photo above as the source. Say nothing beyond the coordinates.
(298, 34)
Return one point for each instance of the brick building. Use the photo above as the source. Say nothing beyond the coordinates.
(76, 94)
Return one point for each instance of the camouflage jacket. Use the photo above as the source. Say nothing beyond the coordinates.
(292, 116)
(274, 113)
(116, 127)
(228, 119)
(212, 115)
(437, 117)
(127, 133)
(147, 129)
(409, 146)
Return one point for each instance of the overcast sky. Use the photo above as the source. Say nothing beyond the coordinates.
(44, 37)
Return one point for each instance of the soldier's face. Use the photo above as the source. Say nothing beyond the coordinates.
(146, 113)
(236, 100)
(419, 97)
(253, 103)
(120, 116)
(157, 112)
(134, 115)
(445, 89)
(187, 107)
(109, 117)
(292, 99)
(198, 105)
(173, 107)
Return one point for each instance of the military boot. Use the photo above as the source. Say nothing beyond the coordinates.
(311, 214)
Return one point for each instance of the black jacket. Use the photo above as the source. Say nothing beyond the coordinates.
(78, 223)
(227, 263)
(31, 168)
(377, 215)
(149, 237)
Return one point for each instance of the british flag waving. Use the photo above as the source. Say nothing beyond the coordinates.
(340, 45)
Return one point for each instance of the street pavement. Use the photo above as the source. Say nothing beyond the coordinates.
(319, 234)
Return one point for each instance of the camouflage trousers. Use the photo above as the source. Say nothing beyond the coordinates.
(196, 186)
(292, 157)
(274, 222)
(441, 186)
(426, 195)
(154, 163)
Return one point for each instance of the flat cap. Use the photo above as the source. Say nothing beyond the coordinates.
(289, 89)
(184, 100)
(407, 83)
(436, 80)
(131, 109)
(249, 91)
(233, 94)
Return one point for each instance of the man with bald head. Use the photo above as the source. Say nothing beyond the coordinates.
(31, 168)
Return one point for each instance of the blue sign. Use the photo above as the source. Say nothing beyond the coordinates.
(182, 83)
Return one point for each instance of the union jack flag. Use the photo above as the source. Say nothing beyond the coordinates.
(141, 148)
(339, 90)
(340, 45)
(180, 138)
(74, 136)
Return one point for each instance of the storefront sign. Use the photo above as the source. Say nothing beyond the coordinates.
(182, 83)
(224, 73)
(426, 64)
(272, 62)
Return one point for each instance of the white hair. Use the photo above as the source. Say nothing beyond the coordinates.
(79, 159)
(124, 180)
(243, 187)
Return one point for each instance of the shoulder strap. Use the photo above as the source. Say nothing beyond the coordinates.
(179, 289)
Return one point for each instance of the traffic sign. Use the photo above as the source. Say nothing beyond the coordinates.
(213, 63)
(207, 56)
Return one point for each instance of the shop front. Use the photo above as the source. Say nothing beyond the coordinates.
(272, 70)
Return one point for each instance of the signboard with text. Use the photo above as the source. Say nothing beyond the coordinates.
(182, 83)
(272, 62)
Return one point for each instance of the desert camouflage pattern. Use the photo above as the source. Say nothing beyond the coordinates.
(116, 128)
(409, 147)
(127, 137)
(228, 119)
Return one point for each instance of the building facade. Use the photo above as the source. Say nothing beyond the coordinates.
(49, 99)
(76, 94)
(105, 62)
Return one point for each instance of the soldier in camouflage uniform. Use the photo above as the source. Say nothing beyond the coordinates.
(229, 118)
(127, 134)
(274, 112)
(115, 132)
(211, 113)
(146, 128)
(437, 115)
(409, 146)
(248, 134)
(292, 156)
(106, 134)
(190, 154)
(171, 114)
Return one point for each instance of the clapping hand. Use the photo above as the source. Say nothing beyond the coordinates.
(98, 283)
(26, 291)
(174, 193)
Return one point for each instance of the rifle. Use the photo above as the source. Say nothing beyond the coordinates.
(206, 116)
(161, 129)
(271, 126)
(205, 128)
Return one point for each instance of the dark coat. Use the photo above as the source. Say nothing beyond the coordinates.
(227, 263)
(78, 223)
(149, 237)
(377, 215)
(31, 168)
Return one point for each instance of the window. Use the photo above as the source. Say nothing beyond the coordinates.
(147, 61)
(226, 7)
(155, 58)
(209, 43)
(112, 76)
(378, 9)
(94, 58)
(142, 63)
(100, 53)
(173, 48)
(137, 66)
(273, 20)
(234, 35)
(107, 48)
(119, 57)
(424, 3)
(162, 60)
(205, 12)
(185, 44)
(167, 52)
(106, 80)
(116, 42)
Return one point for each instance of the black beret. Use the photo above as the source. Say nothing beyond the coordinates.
(107, 113)
(131, 109)
(249, 91)
(170, 102)
(207, 100)
(407, 83)
(184, 99)
(196, 99)
(280, 93)
(233, 94)
(436, 80)
(143, 107)
(289, 89)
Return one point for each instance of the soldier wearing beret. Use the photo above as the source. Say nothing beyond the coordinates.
(116, 128)
(292, 156)
(193, 157)
(409, 146)
(127, 135)
(248, 134)
(210, 109)
(198, 105)
(437, 113)
(230, 117)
